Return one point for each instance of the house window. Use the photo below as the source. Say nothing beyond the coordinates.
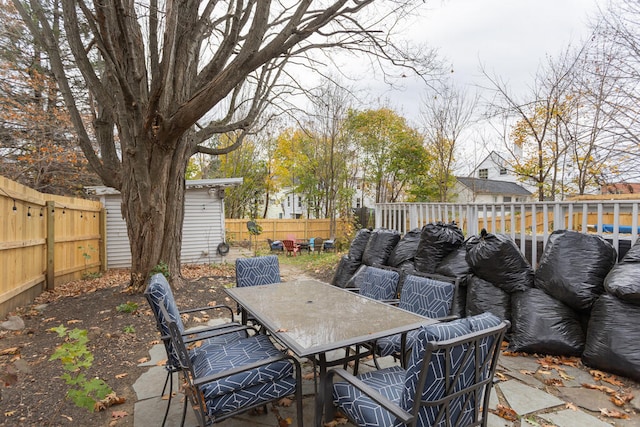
(506, 199)
(503, 171)
(288, 201)
(358, 202)
(483, 173)
(299, 202)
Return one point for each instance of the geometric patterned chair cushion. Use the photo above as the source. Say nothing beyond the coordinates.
(261, 270)
(379, 283)
(400, 386)
(159, 292)
(461, 359)
(360, 408)
(427, 297)
(424, 296)
(229, 393)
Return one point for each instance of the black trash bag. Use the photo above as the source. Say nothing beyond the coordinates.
(623, 280)
(613, 337)
(460, 299)
(542, 324)
(345, 270)
(573, 267)
(358, 244)
(497, 259)
(455, 264)
(380, 246)
(356, 280)
(406, 248)
(436, 242)
(484, 296)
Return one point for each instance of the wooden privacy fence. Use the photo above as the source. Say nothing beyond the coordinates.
(45, 240)
(280, 229)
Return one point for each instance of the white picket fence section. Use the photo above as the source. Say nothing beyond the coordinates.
(529, 224)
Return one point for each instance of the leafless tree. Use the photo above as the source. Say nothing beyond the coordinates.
(534, 139)
(160, 78)
(617, 35)
(446, 114)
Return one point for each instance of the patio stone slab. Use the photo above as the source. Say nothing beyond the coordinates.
(496, 421)
(151, 382)
(157, 354)
(524, 399)
(569, 418)
(591, 400)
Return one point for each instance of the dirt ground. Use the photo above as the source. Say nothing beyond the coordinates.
(33, 393)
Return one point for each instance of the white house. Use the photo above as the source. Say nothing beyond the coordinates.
(287, 204)
(202, 231)
(496, 167)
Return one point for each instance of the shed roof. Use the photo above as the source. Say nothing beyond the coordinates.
(491, 186)
(100, 190)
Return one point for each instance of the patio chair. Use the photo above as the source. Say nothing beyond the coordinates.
(379, 283)
(318, 245)
(275, 245)
(254, 271)
(448, 380)
(428, 295)
(236, 377)
(158, 294)
(291, 247)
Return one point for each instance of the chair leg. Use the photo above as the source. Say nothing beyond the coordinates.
(169, 380)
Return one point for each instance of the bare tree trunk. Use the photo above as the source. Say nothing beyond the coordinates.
(153, 207)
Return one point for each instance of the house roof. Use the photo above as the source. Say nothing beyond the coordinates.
(491, 186)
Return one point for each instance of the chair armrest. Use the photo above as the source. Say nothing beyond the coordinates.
(390, 406)
(210, 378)
(213, 307)
(203, 334)
(448, 318)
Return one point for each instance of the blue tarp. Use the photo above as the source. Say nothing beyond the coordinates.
(624, 229)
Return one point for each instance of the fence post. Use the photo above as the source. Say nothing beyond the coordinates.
(51, 242)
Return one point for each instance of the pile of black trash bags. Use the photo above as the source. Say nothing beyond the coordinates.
(578, 302)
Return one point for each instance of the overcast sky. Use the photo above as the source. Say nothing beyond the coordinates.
(509, 38)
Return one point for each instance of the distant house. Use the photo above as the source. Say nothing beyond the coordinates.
(496, 167)
(481, 190)
(202, 230)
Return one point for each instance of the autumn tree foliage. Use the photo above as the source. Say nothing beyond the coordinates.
(392, 156)
(36, 137)
(161, 78)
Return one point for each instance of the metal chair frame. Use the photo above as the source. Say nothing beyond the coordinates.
(474, 397)
(193, 383)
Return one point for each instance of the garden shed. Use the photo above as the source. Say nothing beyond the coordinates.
(202, 232)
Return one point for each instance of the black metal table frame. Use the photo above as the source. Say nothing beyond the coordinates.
(269, 319)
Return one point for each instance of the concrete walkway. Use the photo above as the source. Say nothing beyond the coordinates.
(522, 388)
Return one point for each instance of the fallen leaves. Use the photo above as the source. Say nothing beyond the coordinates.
(614, 414)
(122, 375)
(608, 378)
(285, 401)
(617, 397)
(10, 350)
(554, 382)
(505, 412)
(108, 401)
(118, 414)
(339, 419)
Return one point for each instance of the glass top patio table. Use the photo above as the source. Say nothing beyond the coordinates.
(312, 317)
